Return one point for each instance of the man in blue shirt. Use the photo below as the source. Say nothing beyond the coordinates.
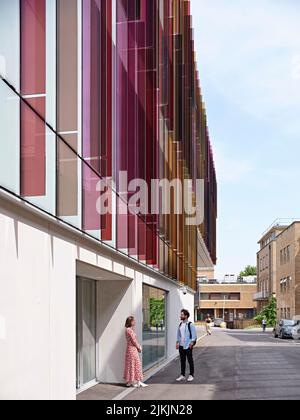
(186, 340)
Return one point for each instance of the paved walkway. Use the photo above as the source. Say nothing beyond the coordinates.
(102, 392)
(110, 392)
(233, 365)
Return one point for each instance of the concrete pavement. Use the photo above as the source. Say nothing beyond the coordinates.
(232, 365)
(119, 392)
(101, 392)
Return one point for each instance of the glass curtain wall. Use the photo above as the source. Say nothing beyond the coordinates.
(93, 88)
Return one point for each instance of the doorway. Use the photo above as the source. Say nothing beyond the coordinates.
(86, 330)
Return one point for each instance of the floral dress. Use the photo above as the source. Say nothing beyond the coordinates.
(133, 366)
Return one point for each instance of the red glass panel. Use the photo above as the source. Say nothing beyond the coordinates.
(33, 159)
(97, 96)
(33, 47)
(33, 83)
(90, 197)
(106, 107)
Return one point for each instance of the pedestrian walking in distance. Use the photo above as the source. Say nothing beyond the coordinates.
(186, 341)
(208, 322)
(264, 324)
(133, 367)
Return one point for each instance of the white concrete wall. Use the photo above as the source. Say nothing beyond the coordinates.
(37, 304)
(38, 262)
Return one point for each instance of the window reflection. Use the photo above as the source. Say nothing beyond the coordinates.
(154, 326)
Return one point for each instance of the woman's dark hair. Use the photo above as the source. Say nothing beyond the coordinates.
(129, 321)
(186, 313)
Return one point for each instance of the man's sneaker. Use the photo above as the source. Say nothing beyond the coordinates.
(181, 378)
(190, 378)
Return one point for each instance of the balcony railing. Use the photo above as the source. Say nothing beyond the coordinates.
(261, 295)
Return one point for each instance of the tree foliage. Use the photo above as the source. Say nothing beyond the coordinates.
(250, 270)
(157, 311)
(269, 313)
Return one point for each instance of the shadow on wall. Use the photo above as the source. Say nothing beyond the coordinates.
(16, 229)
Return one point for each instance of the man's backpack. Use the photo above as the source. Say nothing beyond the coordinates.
(190, 330)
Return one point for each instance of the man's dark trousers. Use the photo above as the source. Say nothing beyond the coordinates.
(186, 354)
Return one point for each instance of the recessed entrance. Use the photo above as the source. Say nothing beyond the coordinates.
(104, 301)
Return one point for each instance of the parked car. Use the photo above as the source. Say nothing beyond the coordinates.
(218, 322)
(284, 328)
(296, 331)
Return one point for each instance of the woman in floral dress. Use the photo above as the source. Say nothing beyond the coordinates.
(133, 374)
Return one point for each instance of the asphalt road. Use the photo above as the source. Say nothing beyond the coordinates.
(233, 365)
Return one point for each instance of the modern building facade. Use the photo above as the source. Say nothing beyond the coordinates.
(288, 272)
(267, 266)
(227, 301)
(91, 90)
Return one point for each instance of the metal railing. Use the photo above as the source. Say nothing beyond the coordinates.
(261, 295)
(280, 222)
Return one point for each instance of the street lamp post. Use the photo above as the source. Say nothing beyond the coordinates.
(224, 304)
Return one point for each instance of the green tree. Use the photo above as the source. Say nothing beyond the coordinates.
(269, 313)
(157, 311)
(250, 270)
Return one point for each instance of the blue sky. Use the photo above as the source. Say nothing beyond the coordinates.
(248, 57)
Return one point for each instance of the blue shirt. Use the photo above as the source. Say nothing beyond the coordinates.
(188, 340)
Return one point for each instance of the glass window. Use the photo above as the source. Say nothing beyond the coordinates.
(10, 42)
(97, 102)
(287, 322)
(134, 10)
(67, 95)
(67, 110)
(33, 47)
(68, 168)
(33, 148)
(154, 326)
(288, 253)
(37, 156)
(235, 296)
(245, 314)
(9, 139)
(220, 296)
(86, 331)
(37, 145)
